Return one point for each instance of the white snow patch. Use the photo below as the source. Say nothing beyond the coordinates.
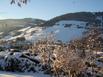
(36, 29)
(1, 33)
(12, 74)
(23, 29)
(17, 54)
(66, 34)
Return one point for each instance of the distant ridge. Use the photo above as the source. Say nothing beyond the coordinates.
(80, 16)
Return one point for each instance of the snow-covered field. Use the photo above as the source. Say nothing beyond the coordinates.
(12, 74)
(67, 33)
(61, 32)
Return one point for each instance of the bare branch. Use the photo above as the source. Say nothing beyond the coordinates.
(19, 2)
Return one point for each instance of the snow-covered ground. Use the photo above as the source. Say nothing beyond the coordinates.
(12, 74)
(1, 33)
(67, 33)
(24, 29)
(24, 64)
(61, 32)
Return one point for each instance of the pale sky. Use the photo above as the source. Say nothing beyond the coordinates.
(47, 9)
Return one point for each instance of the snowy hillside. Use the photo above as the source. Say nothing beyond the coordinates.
(67, 30)
(10, 27)
(63, 30)
(65, 27)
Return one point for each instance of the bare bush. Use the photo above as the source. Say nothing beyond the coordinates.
(70, 60)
